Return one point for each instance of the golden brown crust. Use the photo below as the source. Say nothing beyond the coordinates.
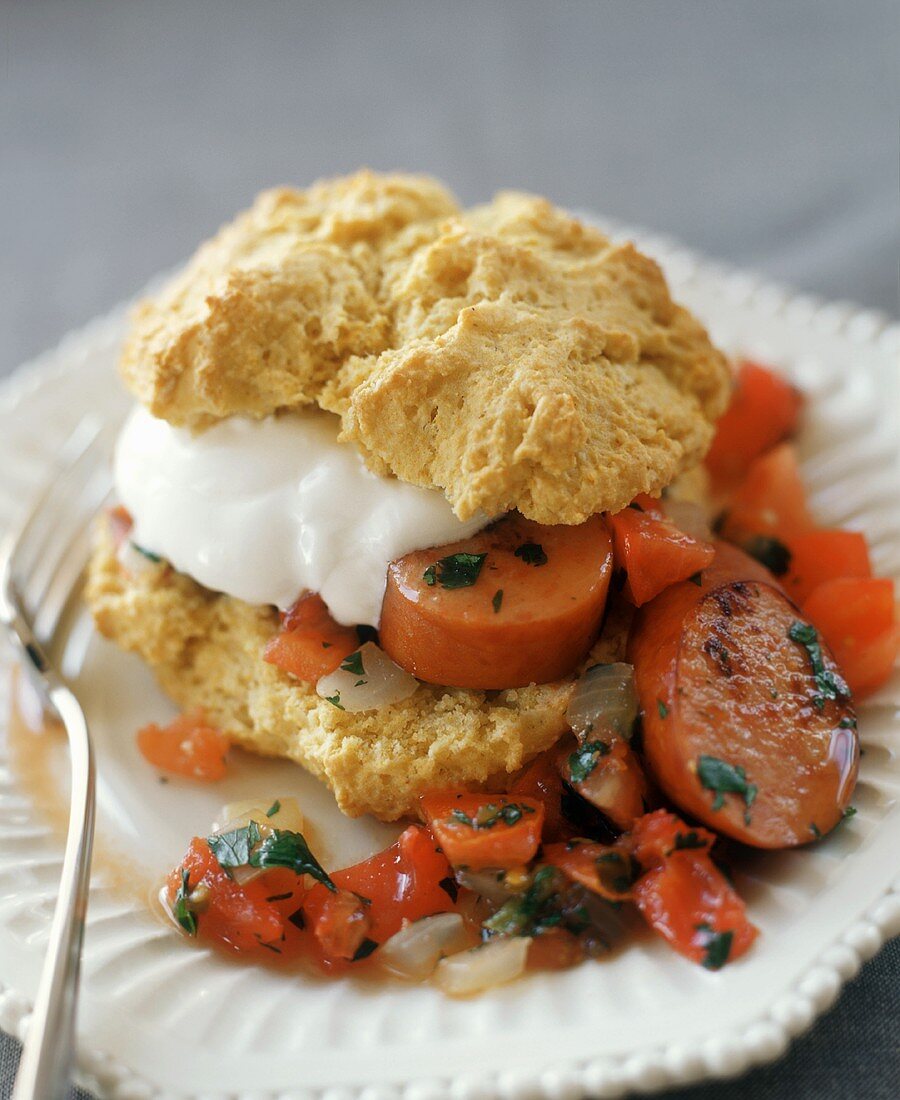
(207, 650)
(509, 355)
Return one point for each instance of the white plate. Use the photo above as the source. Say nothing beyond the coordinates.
(159, 1019)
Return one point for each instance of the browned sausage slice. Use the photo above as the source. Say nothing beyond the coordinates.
(747, 724)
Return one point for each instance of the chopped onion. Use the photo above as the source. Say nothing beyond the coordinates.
(490, 885)
(689, 518)
(268, 813)
(415, 950)
(135, 560)
(492, 963)
(604, 701)
(366, 680)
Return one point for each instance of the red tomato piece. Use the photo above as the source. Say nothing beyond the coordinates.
(654, 553)
(604, 869)
(188, 746)
(310, 644)
(237, 917)
(686, 899)
(857, 618)
(770, 500)
(484, 830)
(541, 781)
(819, 556)
(615, 783)
(342, 924)
(764, 410)
(404, 882)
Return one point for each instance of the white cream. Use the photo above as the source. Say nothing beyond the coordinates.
(265, 509)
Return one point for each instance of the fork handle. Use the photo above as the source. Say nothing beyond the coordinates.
(47, 1057)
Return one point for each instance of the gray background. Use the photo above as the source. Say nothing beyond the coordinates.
(763, 132)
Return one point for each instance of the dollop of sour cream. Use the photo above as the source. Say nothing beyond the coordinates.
(266, 509)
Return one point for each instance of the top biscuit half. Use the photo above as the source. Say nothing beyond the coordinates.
(508, 355)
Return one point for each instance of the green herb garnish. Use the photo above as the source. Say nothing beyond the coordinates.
(335, 700)
(617, 871)
(497, 601)
(455, 571)
(180, 911)
(771, 552)
(716, 944)
(848, 723)
(830, 684)
(583, 761)
(233, 849)
(283, 848)
(815, 830)
(662, 709)
(274, 808)
(724, 778)
(353, 664)
(849, 811)
(532, 553)
(491, 813)
(687, 841)
(148, 554)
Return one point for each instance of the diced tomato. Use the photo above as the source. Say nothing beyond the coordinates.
(857, 618)
(654, 553)
(604, 869)
(238, 917)
(764, 410)
(188, 746)
(120, 524)
(310, 644)
(684, 897)
(770, 500)
(609, 775)
(342, 924)
(656, 836)
(541, 780)
(408, 880)
(484, 830)
(824, 555)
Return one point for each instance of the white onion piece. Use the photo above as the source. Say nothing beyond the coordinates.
(488, 884)
(238, 815)
(604, 701)
(689, 518)
(489, 964)
(380, 683)
(415, 950)
(135, 561)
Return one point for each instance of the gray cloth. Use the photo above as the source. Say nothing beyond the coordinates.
(762, 133)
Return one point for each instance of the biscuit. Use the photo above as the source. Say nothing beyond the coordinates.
(207, 651)
(509, 355)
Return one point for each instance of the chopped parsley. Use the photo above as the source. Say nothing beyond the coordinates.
(233, 849)
(491, 813)
(617, 871)
(815, 830)
(532, 553)
(497, 601)
(830, 685)
(335, 700)
(771, 552)
(532, 911)
(850, 811)
(687, 841)
(583, 761)
(662, 708)
(274, 808)
(283, 848)
(180, 910)
(724, 778)
(364, 950)
(716, 944)
(148, 554)
(353, 664)
(848, 723)
(455, 571)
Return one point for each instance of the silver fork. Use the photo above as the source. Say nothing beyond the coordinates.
(41, 564)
